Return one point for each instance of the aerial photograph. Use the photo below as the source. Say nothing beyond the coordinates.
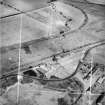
(52, 52)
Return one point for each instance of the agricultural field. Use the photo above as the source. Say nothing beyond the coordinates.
(52, 52)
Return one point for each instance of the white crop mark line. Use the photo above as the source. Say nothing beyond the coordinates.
(49, 29)
(19, 63)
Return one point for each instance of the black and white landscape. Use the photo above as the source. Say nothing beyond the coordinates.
(52, 52)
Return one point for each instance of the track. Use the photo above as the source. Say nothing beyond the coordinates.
(14, 72)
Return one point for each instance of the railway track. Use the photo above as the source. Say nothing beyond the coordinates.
(85, 54)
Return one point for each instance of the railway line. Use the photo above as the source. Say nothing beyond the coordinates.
(25, 68)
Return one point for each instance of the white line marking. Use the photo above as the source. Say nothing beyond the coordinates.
(19, 73)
